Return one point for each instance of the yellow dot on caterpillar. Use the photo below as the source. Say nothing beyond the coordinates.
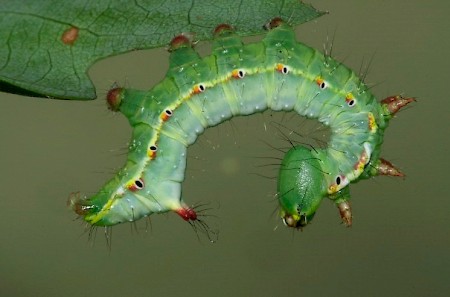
(362, 161)
(372, 123)
(282, 68)
(332, 189)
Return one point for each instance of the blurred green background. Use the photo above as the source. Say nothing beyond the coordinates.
(398, 245)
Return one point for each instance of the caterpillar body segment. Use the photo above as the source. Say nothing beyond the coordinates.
(278, 73)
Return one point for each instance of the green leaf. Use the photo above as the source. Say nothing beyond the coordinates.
(47, 46)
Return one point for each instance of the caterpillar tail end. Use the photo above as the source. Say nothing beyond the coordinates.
(194, 219)
(75, 203)
(187, 213)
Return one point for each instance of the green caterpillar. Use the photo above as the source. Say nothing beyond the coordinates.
(277, 73)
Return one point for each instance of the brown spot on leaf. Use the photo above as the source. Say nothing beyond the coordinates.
(70, 36)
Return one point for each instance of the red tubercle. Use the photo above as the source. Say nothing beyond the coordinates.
(187, 214)
(222, 28)
(275, 22)
(114, 98)
(179, 42)
(395, 103)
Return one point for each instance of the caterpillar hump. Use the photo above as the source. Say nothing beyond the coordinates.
(277, 73)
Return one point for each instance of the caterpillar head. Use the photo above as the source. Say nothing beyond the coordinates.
(301, 186)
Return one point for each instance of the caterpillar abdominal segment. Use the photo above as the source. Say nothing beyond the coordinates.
(277, 73)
